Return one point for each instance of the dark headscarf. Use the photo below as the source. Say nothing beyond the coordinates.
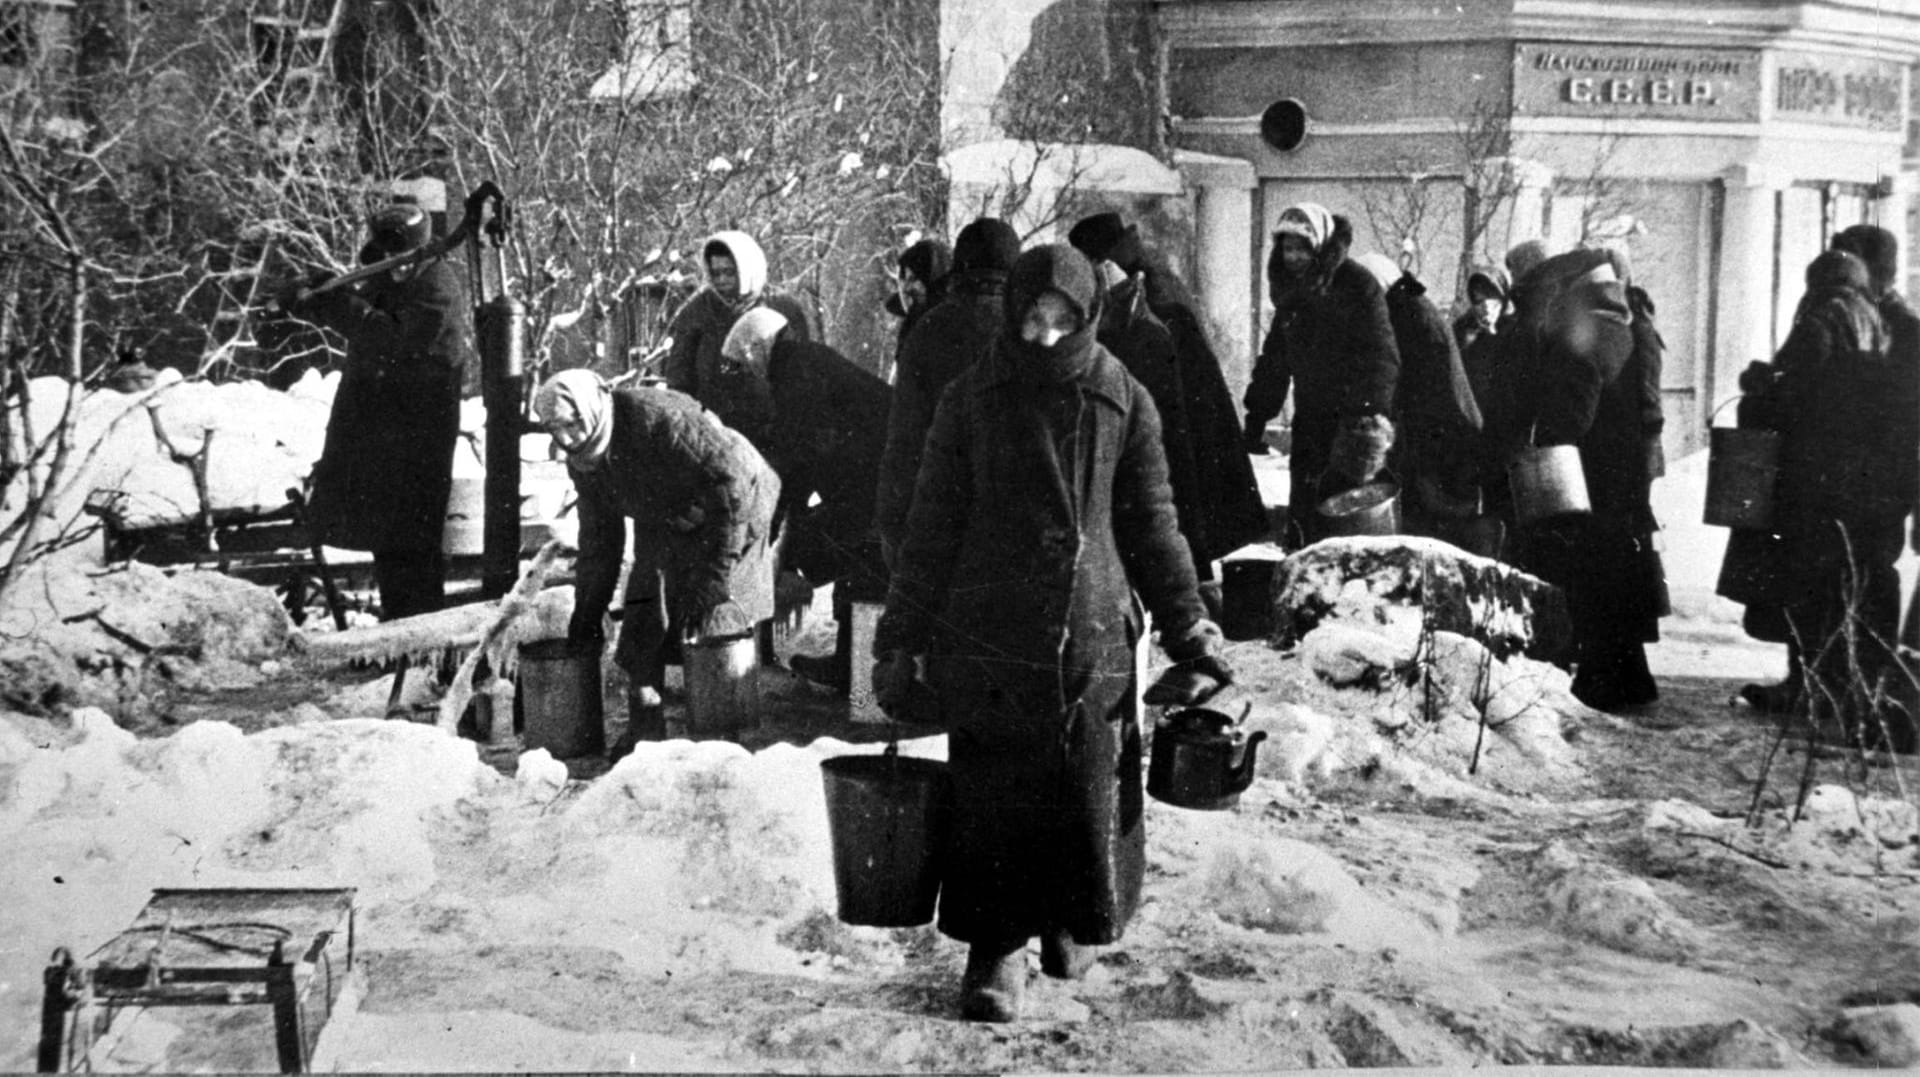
(984, 251)
(1876, 247)
(1054, 267)
(1838, 287)
(929, 261)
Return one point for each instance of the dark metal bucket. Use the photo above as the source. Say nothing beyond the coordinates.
(723, 694)
(1548, 481)
(1741, 467)
(887, 817)
(558, 698)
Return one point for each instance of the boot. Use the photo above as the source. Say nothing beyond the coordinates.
(646, 720)
(822, 670)
(1062, 958)
(995, 982)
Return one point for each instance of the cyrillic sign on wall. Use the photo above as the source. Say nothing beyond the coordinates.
(1636, 82)
(1852, 91)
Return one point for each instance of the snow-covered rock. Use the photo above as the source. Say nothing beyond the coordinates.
(1392, 580)
(1885, 1035)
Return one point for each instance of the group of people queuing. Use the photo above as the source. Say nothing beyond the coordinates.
(1056, 464)
(1553, 349)
(1056, 460)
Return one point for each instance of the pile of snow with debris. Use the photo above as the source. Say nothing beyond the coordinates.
(685, 858)
(1838, 830)
(138, 448)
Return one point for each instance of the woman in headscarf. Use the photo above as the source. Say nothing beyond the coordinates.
(1845, 405)
(1579, 385)
(920, 280)
(828, 429)
(1332, 344)
(701, 500)
(736, 283)
(1487, 289)
(1042, 509)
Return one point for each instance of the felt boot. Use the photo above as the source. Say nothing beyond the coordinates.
(995, 982)
(1062, 958)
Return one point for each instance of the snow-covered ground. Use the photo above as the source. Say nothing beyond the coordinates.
(1417, 877)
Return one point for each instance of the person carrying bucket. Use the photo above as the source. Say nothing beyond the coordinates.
(701, 500)
(1332, 346)
(1579, 386)
(1042, 509)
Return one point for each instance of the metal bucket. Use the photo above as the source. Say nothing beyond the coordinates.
(1741, 467)
(558, 698)
(1372, 509)
(722, 692)
(1548, 481)
(1246, 590)
(887, 818)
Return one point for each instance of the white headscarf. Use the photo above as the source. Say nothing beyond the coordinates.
(578, 393)
(750, 341)
(748, 259)
(1380, 266)
(1310, 221)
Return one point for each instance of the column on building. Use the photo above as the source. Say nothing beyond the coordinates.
(1745, 296)
(1222, 189)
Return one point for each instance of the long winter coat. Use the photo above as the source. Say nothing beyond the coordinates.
(1131, 334)
(1331, 344)
(1437, 420)
(1582, 388)
(1041, 510)
(829, 428)
(693, 365)
(1225, 506)
(387, 467)
(953, 335)
(701, 500)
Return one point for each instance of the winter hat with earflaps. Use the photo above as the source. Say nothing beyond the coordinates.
(1875, 246)
(748, 260)
(1108, 237)
(930, 262)
(578, 395)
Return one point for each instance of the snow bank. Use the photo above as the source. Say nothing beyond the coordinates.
(1838, 831)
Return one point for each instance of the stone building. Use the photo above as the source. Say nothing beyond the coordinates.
(1721, 143)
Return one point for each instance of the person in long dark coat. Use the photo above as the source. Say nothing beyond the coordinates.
(1437, 422)
(1581, 388)
(736, 283)
(1332, 345)
(1131, 334)
(701, 500)
(1042, 509)
(948, 339)
(386, 470)
(828, 430)
(1222, 511)
(1848, 411)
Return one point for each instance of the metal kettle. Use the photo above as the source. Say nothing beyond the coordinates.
(1202, 759)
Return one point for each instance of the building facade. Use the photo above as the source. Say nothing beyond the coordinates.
(1720, 143)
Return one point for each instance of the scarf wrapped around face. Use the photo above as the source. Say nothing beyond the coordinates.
(1055, 267)
(578, 393)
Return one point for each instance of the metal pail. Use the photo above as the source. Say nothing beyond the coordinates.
(1372, 509)
(722, 692)
(1548, 481)
(558, 698)
(887, 818)
(1741, 467)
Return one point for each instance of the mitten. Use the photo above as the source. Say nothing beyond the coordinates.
(1198, 670)
(1360, 446)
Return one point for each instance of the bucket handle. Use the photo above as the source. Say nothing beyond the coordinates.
(1720, 407)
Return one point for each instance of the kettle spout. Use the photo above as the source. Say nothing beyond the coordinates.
(1242, 775)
